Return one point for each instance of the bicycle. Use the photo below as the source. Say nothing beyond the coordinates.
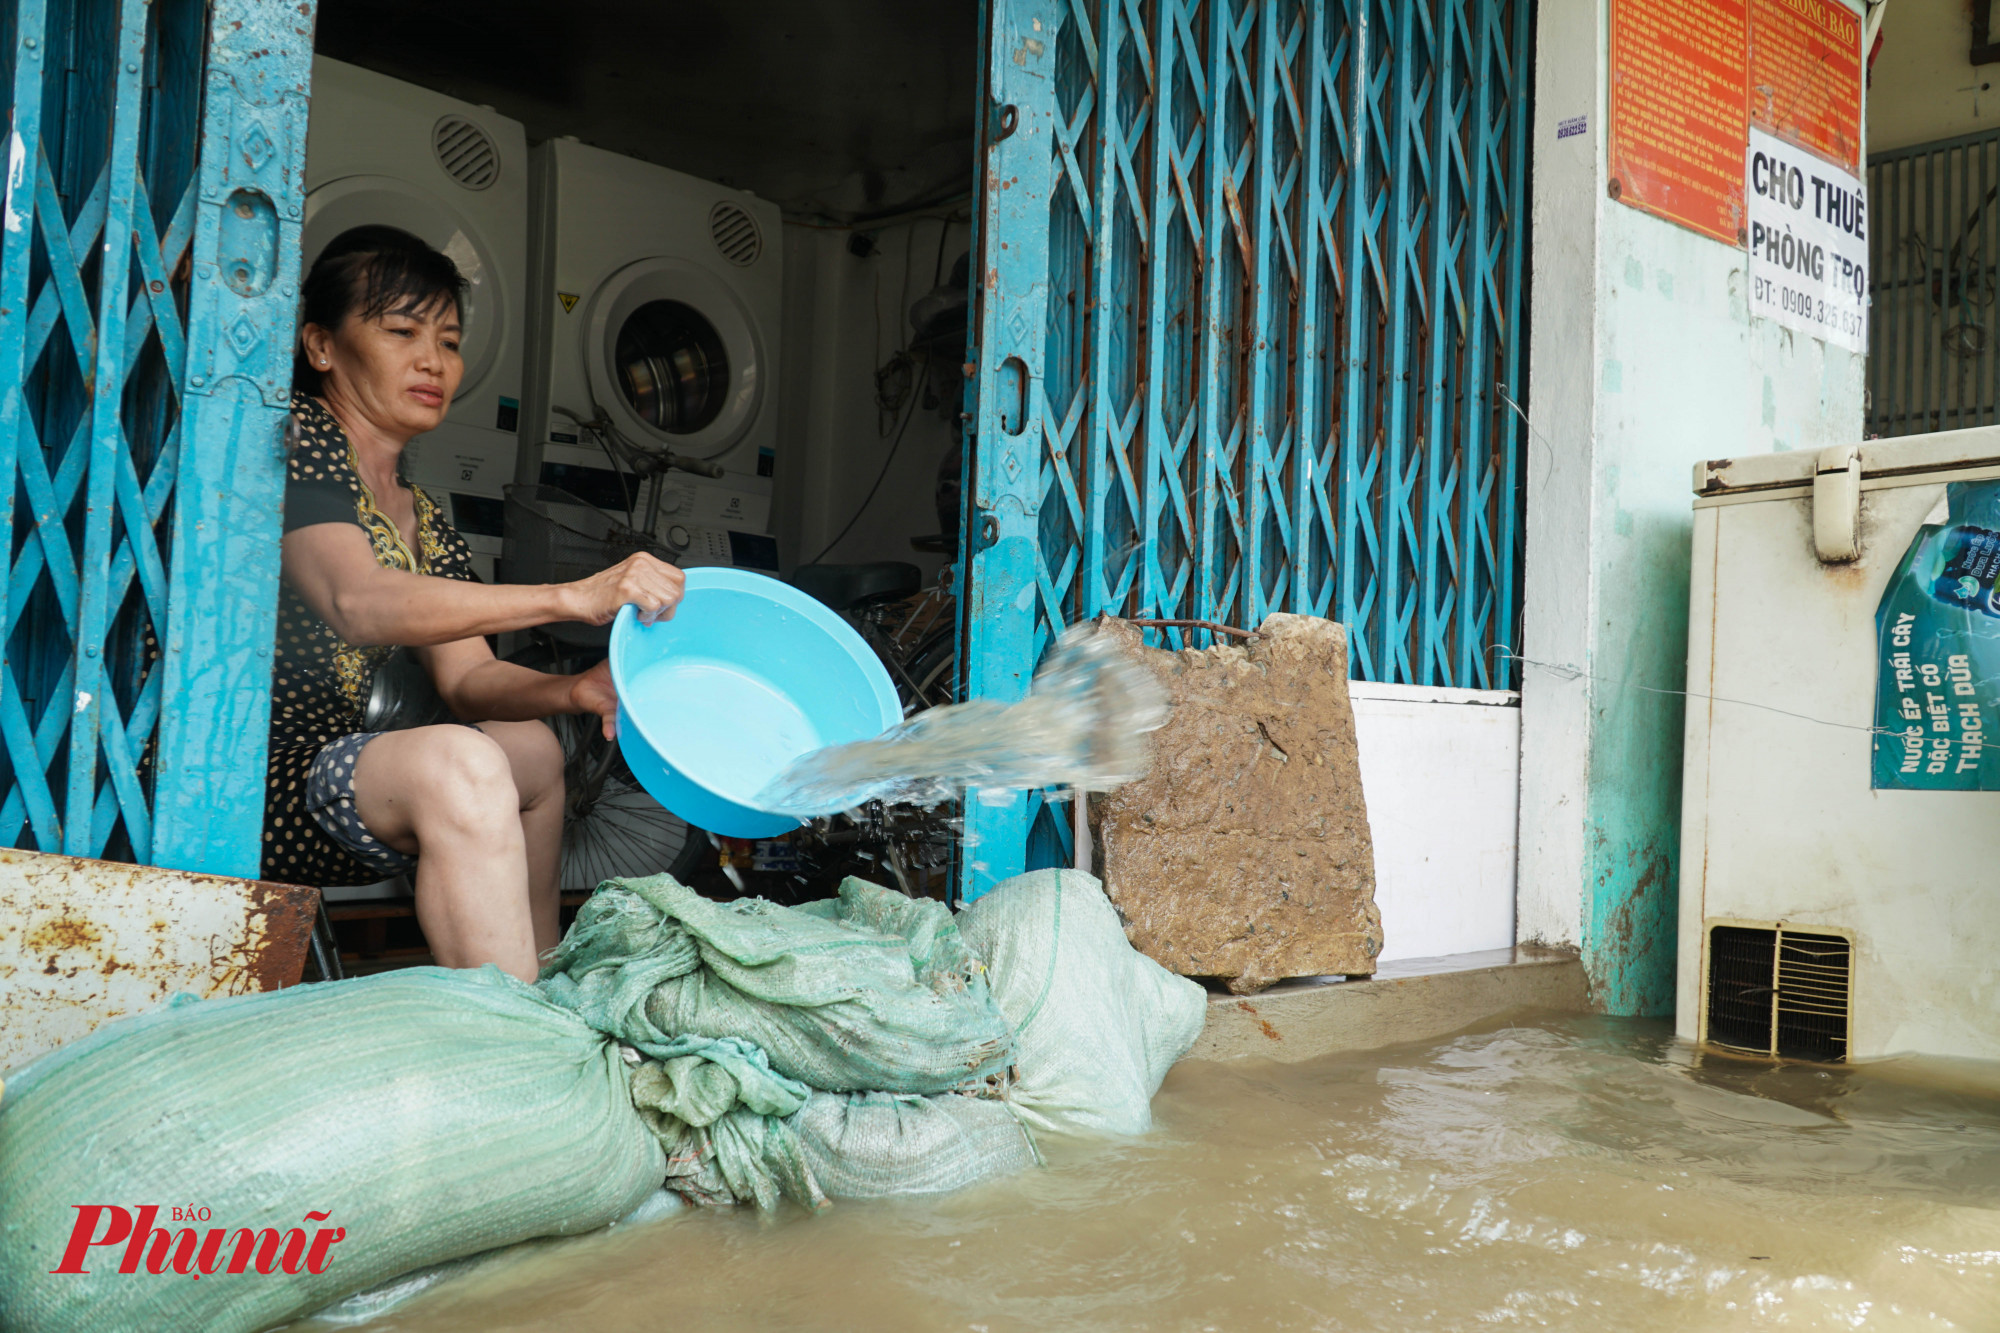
(910, 627)
(913, 630)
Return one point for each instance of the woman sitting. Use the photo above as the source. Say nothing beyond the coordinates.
(371, 563)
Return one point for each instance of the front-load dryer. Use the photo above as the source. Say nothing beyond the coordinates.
(382, 151)
(654, 323)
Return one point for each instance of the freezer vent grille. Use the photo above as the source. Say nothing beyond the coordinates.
(466, 152)
(1780, 992)
(736, 234)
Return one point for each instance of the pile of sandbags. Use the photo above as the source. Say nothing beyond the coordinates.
(747, 1011)
(864, 1046)
(410, 1118)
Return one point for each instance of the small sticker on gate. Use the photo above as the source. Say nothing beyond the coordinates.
(569, 301)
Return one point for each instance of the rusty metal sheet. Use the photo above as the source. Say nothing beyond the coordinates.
(83, 942)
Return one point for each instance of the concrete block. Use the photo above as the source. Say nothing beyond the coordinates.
(1244, 854)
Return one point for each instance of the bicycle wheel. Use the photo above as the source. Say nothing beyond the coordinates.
(933, 669)
(611, 828)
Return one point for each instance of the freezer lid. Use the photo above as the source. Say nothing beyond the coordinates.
(1942, 451)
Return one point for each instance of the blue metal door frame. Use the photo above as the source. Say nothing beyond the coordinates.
(148, 280)
(1249, 336)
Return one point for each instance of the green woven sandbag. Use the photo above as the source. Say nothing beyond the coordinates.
(429, 1114)
(1098, 1023)
(869, 991)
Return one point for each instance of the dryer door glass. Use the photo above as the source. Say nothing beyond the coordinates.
(672, 367)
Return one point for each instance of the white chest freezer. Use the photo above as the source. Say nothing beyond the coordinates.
(1819, 918)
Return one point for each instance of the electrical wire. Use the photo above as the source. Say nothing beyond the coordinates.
(903, 295)
(597, 429)
(915, 395)
(916, 389)
(1563, 671)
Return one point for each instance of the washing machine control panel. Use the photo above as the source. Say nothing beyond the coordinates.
(701, 522)
(461, 458)
(695, 547)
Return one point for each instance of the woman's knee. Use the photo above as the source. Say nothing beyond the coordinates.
(466, 777)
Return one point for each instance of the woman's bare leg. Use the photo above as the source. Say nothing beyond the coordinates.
(447, 795)
(536, 758)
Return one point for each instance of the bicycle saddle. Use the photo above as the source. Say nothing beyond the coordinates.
(850, 587)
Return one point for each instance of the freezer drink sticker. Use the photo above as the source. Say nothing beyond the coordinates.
(1937, 691)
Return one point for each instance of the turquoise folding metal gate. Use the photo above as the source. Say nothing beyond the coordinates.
(1250, 335)
(148, 277)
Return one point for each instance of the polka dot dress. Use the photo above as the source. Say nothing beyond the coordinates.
(319, 682)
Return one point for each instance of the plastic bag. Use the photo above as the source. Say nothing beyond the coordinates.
(1096, 1022)
(423, 1115)
(748, 1009)
(364, 1307)
(870, 991)
(866, 1145)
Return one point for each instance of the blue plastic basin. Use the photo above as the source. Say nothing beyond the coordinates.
(750, 674)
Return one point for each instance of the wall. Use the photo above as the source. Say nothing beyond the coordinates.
(862, 108)
(1441, 773)
(1923, 87)
(1643, 360)
(844, 317)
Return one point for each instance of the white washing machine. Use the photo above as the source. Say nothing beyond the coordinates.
(654, 313)
(382, 151)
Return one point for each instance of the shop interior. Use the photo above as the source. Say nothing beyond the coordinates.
(717, 265)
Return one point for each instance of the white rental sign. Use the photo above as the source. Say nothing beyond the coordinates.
(1808, 242)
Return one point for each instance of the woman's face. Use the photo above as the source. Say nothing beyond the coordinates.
(397, 371)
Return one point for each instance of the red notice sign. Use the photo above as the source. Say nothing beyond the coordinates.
(1805, 76)
(1679, 123)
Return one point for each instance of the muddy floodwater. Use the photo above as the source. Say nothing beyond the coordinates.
(1558, 1172)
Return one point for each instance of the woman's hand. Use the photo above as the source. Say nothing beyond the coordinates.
(651, 584)
(592, 692)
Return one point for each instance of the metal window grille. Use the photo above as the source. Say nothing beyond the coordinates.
(1251, 332)
(1779, 992)
(1741, 961)
(1934, 241)
(148, 267)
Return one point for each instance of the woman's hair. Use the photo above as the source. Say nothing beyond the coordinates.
(369, 272)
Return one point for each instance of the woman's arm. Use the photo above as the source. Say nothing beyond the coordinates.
(478, 687)
(334, 570)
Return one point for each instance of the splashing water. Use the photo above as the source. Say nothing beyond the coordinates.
(1083, 725)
